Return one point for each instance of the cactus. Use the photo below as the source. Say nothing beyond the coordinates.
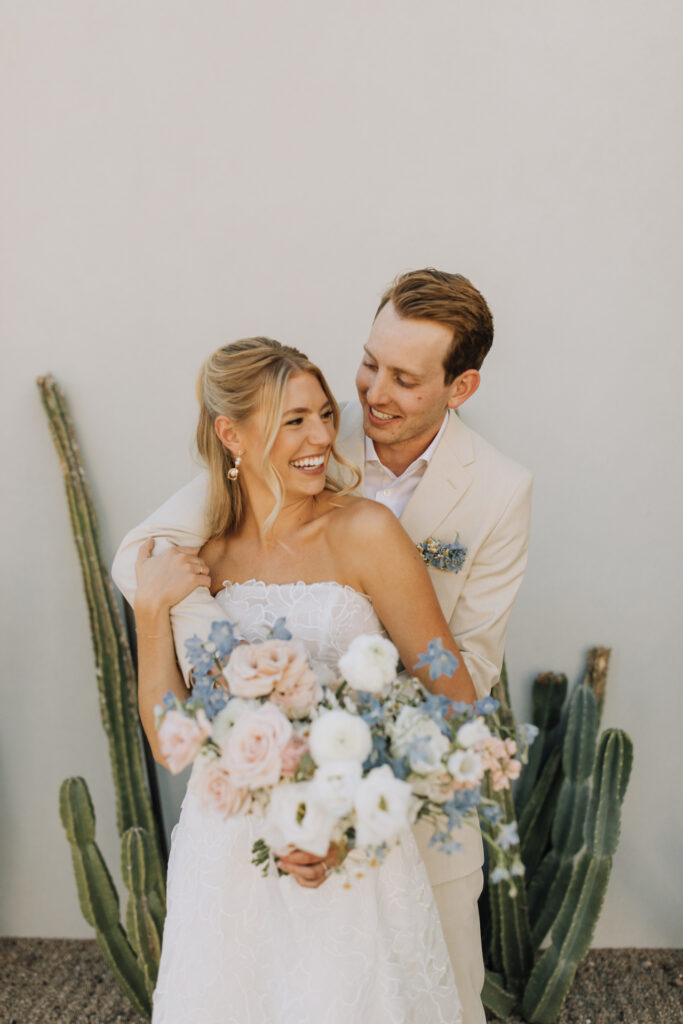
(144, 912)
(96, 892)
(568, 801)
(132, 962)
(574, 926)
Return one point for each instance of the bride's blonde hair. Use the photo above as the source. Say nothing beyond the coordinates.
(237, 381)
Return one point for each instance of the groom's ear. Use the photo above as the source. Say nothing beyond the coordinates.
(227, 434)
(463, 387)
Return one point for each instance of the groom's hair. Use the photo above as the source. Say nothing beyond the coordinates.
(451, 300)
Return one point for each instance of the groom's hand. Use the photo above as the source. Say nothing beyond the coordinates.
(308, 869)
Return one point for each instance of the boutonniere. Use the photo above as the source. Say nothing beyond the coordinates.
(442, 555)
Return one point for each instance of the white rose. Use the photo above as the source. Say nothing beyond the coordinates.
(339, 736)
(466, 767)
(370, 663)
(334, 786)
(383, 807)
(294, 819)
(416, 736)
(473, 732)
(231, 713)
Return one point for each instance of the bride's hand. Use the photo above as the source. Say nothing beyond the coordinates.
(307, 869)
(165, 580)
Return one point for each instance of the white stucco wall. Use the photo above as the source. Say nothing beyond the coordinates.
(176, 175)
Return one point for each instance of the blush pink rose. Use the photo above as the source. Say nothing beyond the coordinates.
(254, 669)
(292, 754)
(297, 690)
(180, 738)
(214, 789)
(252, 751)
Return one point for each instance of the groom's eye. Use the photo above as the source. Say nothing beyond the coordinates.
(404, 383)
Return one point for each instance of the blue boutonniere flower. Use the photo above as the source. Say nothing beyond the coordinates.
(442, 555)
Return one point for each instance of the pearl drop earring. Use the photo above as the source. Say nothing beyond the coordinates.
(234, 471)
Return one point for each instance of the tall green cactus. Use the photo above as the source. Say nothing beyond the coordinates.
(133, 962)
(568, 802)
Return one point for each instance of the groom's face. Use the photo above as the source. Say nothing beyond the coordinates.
(401, 380)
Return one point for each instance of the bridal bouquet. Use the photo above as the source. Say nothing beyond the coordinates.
(355, 763)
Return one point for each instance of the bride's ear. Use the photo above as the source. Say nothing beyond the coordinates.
(227, 434)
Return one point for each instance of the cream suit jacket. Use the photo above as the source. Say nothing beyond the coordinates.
(469, 491)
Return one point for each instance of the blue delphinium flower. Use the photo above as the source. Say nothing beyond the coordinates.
(492, 813)
(508, 835)
(437, 706)
(527, 733)
(378, 755)
(279, 631)
(371, 711)
(486, 706)
(206, 696)
(400, 766)
(202, 661)
(222, 636)
(169, 701)
(445, 842)
(439, 661)
(499, 875)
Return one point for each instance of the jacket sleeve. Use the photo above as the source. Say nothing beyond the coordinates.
(481, 614)
(179, 521)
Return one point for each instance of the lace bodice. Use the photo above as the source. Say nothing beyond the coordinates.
(325, 616)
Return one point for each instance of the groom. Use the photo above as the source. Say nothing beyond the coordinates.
(448, 486)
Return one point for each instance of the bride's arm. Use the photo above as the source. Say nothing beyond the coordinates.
(391, 572)
(161, 583)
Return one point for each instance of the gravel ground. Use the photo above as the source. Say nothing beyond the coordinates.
(65, 981)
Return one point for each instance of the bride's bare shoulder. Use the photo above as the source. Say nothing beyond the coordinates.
(360, 519)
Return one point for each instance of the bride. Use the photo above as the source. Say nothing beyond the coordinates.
(302, 947)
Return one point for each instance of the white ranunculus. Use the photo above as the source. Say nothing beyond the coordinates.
(370, 663)
(466, 767)
(294, 819)
(416, 736)
(334, 786)
(339, 736)
(223, 722)
(473, 732)
(383, 807)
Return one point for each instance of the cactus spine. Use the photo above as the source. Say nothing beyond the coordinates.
(134, 965)
(569, 830)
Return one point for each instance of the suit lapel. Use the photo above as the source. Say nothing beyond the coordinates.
(446, 479)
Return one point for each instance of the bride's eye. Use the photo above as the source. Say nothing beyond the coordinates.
(294, 423)
(327, 415)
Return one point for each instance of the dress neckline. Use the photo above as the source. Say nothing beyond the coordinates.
(227, 584)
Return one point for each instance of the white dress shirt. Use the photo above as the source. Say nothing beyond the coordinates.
(382, 485)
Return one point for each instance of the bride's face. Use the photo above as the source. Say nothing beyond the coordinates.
(304, 442)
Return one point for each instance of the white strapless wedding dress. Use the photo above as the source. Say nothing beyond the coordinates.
(242, 949)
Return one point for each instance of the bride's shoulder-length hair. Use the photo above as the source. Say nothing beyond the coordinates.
(237, 381)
